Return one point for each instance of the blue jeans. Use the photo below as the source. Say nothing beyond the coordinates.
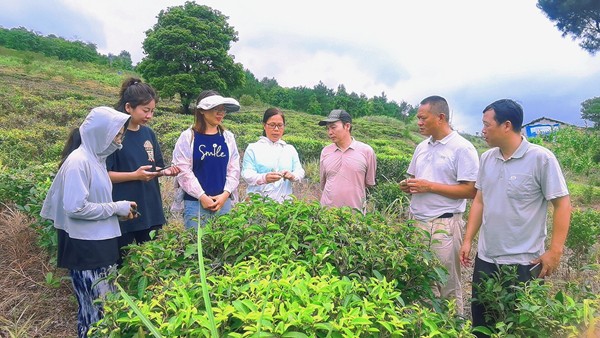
(194, 213)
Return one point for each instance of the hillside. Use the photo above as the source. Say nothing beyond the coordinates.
(42, 98)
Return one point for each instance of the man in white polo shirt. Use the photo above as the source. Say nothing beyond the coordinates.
(442, 173)
(347, 166)
(515, 182)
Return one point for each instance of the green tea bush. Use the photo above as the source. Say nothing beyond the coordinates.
(17, 185)
(47, 238)
(584, 233)
(27, 189)
(355, 245)
(535, 309)
(584, 194)
(22, 149)
(278, 299)
(576, 150)
(387, 198)
(308, 149)
(291, 269)
(392, 168)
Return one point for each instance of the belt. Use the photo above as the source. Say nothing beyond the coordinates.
(446, 215)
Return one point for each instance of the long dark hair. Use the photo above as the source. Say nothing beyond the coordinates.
(73, 142)
(199, 122)
(135, 92)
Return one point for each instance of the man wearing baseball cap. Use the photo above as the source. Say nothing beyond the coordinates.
(347, 166)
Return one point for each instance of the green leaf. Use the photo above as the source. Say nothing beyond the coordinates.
(294, 334)
(361, 321)
(141, 287)
(482, 329)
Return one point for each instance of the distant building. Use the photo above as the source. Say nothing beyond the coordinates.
(543, 125)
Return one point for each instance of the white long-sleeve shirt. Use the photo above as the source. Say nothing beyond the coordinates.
(265, 156)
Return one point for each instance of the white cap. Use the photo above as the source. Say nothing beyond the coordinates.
(208, 103)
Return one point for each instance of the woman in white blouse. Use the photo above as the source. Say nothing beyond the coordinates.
(271, 165)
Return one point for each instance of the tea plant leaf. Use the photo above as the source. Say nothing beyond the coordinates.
(361, 321)
(294, 334)
(142, 284)
(207, 303)
(139, 313)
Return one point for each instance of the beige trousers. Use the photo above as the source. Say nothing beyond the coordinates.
(446, 240)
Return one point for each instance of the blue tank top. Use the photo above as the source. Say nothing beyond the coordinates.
(210, 158)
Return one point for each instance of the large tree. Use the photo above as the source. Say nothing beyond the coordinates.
(578, 18)
(187, 51)
(590, 110)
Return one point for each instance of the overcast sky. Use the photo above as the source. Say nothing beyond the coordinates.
(472, 52)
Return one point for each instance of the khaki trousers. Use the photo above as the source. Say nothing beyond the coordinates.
(446, 240)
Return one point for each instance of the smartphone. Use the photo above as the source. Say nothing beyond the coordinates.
(154, 169)
(135, 212)
(535, 270)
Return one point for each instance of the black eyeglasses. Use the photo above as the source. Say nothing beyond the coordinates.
(274, 125)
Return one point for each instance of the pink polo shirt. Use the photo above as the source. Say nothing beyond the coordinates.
(346, 174)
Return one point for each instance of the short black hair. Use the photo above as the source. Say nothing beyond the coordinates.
(438, 105)
(507, 110)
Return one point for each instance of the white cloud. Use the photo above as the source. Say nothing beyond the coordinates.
(470, 51)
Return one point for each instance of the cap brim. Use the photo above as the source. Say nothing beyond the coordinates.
(324, 122)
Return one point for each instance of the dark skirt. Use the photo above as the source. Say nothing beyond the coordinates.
(79, 254)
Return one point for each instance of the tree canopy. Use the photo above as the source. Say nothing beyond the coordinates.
(590, 110)
(187, 51)
(579, 19)
(51, 45)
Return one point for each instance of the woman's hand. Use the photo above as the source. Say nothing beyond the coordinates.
(133, 213)
(219, 201)
(143, 173)
(207, 202)
(273, 177)
(171, 171)
(287, 175)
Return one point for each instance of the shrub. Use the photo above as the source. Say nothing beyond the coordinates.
(392, 168)
(308, 149)
(355, 245)
(285, 268)
(16, 185)
(532, 309)
(246, 100)
(387, 198)
(576, 149)
(278, 299)
(584, 233)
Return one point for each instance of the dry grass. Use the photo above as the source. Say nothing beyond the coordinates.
(30, 307)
